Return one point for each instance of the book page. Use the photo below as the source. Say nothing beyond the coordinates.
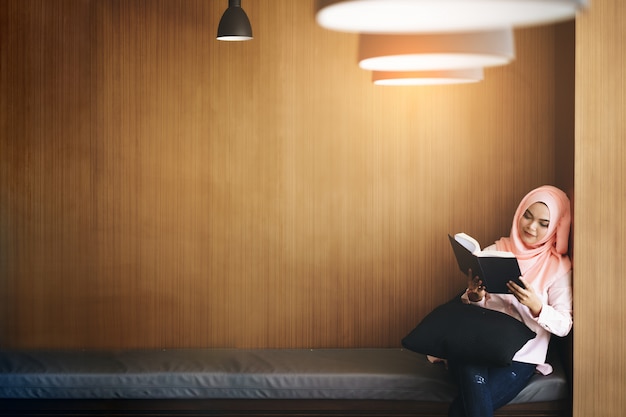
(473, 246)
(468, 242)
(495, 254)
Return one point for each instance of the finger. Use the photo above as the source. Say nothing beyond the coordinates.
(517, 293)
(516, 290)
(526, 284)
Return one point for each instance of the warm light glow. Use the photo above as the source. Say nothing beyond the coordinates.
(442, 51)
(419, 16)
(234, 38)
(400, 78)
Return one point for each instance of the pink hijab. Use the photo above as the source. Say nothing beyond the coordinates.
(545, 261)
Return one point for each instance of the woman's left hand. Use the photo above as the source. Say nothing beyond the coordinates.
(526, 296)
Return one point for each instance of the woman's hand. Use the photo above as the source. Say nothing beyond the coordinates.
(527, 296)
(475, 288)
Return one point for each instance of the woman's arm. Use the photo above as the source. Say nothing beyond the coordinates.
(556, 314)
(553, 314)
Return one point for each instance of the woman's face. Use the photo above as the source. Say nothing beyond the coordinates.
(533, 225)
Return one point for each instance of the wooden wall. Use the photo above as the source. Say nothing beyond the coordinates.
(159, 188)
(600, 238)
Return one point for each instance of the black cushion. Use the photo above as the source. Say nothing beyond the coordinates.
(470, 334)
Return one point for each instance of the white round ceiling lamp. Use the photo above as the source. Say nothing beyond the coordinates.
(402, 78)
(441, 51)
(428, 16)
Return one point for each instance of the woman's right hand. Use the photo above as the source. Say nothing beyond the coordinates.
(475, 288)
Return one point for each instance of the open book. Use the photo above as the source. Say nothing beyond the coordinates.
(495, 268)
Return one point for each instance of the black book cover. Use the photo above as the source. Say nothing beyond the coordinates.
(494, 271)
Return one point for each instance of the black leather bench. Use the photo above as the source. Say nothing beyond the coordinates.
(256, 382)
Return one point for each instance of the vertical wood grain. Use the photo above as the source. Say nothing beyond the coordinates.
(600, 239)
(164, 189)
(45, 168)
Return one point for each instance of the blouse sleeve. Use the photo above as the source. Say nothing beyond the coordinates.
(556, 313)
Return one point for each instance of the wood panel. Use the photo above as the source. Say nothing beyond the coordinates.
(163, 189)
(600, 240)
(45, 164)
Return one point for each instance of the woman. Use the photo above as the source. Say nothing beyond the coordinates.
(539, 240)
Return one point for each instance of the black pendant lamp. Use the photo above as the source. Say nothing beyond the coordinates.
(234, 25)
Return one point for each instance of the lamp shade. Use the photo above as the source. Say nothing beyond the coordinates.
(399, 78)
(234, 24)
(440, 51)
(419, 16)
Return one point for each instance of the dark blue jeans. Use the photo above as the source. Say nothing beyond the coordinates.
(483, 389)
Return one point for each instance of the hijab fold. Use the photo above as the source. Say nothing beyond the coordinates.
(546, 260)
